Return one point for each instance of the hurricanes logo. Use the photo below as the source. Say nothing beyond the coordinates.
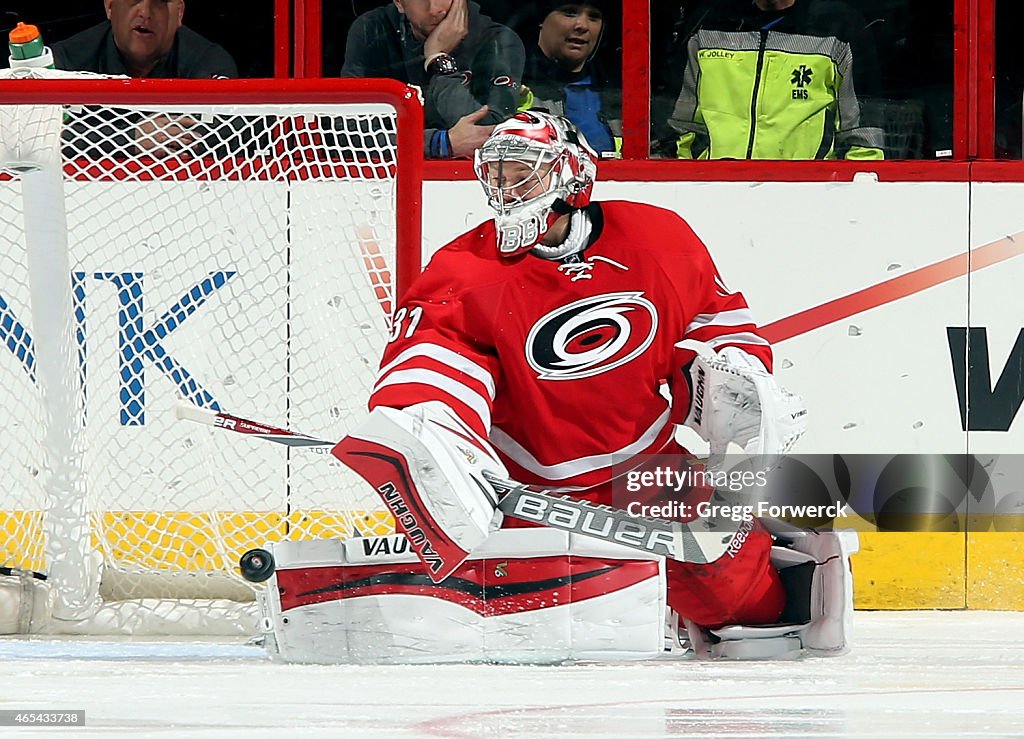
(591, 336)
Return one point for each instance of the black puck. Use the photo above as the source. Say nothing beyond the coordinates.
(257, 565)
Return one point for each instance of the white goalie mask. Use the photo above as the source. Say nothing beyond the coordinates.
(534, 167)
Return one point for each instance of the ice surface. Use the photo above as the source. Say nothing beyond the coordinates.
(935, 674)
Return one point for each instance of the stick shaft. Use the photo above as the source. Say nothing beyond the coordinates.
(239, 425)
(15, 571)
(697, 541)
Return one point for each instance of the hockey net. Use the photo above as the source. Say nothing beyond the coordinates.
(227, 244)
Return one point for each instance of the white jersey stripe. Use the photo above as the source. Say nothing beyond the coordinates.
(573, 467)
(445, 356)
(741, 338)
(736, 317)
(457, 390)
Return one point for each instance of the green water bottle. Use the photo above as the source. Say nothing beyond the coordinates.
(28, 49)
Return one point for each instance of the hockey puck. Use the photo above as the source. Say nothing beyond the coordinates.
(257, 565)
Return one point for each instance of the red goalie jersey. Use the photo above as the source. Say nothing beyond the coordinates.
(563, 365)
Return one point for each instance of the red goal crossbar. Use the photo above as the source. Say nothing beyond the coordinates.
(403, 98)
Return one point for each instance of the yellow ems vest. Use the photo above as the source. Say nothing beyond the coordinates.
(770, 95)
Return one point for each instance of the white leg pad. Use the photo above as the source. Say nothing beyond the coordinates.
(526, 596)
(824, 602)
(25, 604)
(830, 630)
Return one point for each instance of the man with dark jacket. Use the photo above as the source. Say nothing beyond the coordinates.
(144, 38)
(468, 66)
(141, 38)
(774, 79)
(564, 77)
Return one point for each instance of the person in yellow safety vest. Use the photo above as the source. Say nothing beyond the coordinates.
(772, 79)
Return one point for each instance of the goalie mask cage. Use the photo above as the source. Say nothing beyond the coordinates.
(251, 270)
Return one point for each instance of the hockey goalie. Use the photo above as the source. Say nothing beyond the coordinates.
(546, 345)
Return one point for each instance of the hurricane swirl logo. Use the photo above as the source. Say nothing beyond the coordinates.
(591, 336)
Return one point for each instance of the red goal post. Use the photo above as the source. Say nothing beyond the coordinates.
(229, 243)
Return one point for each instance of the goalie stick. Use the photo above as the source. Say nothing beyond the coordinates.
(700, 541)
(15, 572)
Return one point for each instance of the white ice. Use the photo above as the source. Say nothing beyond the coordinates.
(935, 674)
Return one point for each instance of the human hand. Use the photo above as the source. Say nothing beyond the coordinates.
(466, 136)
(450, 32)
(164, 135)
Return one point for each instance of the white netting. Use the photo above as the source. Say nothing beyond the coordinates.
(28, 136)
(237, 256)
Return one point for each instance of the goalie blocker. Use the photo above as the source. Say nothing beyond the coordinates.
(536, 596)
(428, 467)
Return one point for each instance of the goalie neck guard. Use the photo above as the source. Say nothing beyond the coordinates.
(534, 168)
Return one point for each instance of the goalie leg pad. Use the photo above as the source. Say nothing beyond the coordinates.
(817, 620)
(526, 596)
(427, 465)
(741, 586)
(25, 603)
(829, 592)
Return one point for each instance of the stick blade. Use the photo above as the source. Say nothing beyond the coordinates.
(185, 411)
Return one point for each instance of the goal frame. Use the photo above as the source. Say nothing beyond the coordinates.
(407, 168)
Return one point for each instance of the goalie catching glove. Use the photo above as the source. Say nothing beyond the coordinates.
(427, 465)
(735, 399)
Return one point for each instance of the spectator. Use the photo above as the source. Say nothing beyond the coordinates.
(468, 66)
(562, 75)
(141, 38)
(144, 38)
(772, 79)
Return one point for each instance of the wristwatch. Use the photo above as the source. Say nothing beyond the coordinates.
(442, 64)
